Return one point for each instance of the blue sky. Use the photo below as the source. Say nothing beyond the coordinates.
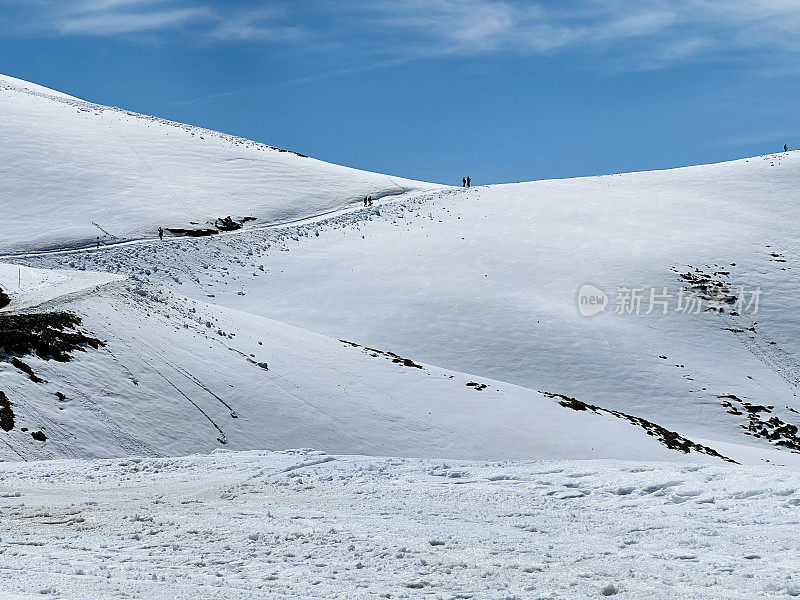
(502, 90)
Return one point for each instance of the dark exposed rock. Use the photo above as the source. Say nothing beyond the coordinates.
(199, 232)
(53, 335)
(26, 368)
(477, 386)
(773, 428)
(221, 224)
(227, 224)
(671, 439)
(710, 287)
(6, 413)
(406, 362)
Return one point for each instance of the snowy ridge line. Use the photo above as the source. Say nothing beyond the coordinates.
(110, 174)
(34, 289)
(91, 106)
(385, 199)
(769, 156)
(56, 302)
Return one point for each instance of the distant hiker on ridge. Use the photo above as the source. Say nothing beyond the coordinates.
(369, 201)
(463, 182)
(365, 200)
(785, 148)
(468, 181)
(161, 233)
(98, 241)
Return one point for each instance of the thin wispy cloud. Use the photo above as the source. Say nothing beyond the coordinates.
(263, 23)
(644, 34)
(114, 23)
(662, 31)
(207, 20)
(102, 18)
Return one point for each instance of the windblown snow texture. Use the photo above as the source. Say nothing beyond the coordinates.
(302, 524)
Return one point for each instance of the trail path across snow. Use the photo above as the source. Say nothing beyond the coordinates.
(388, 198)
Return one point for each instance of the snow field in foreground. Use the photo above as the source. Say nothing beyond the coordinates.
(302, 524)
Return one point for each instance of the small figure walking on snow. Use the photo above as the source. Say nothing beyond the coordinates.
(785, 148)
(369, 201)
(463, 182)
(161, 233)
(468, 181)
(98, 241)
(365, 200)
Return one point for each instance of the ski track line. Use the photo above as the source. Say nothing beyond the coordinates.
(776, 359)
(129, 444)
(181, 371)
(781, 362)
(49, 424)
(290, 384)
(222, 437)
(13, 449)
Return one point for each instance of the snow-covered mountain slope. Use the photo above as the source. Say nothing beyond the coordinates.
(178, 376)
(71, 170)
(481, 281)
(307, 525)
(485, 281)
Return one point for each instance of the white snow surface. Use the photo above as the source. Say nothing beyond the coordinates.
(193, 379)
(303, 524)
(30, 288)
(113, 173)
(484, 282)
(439, 327)
(12, 82)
